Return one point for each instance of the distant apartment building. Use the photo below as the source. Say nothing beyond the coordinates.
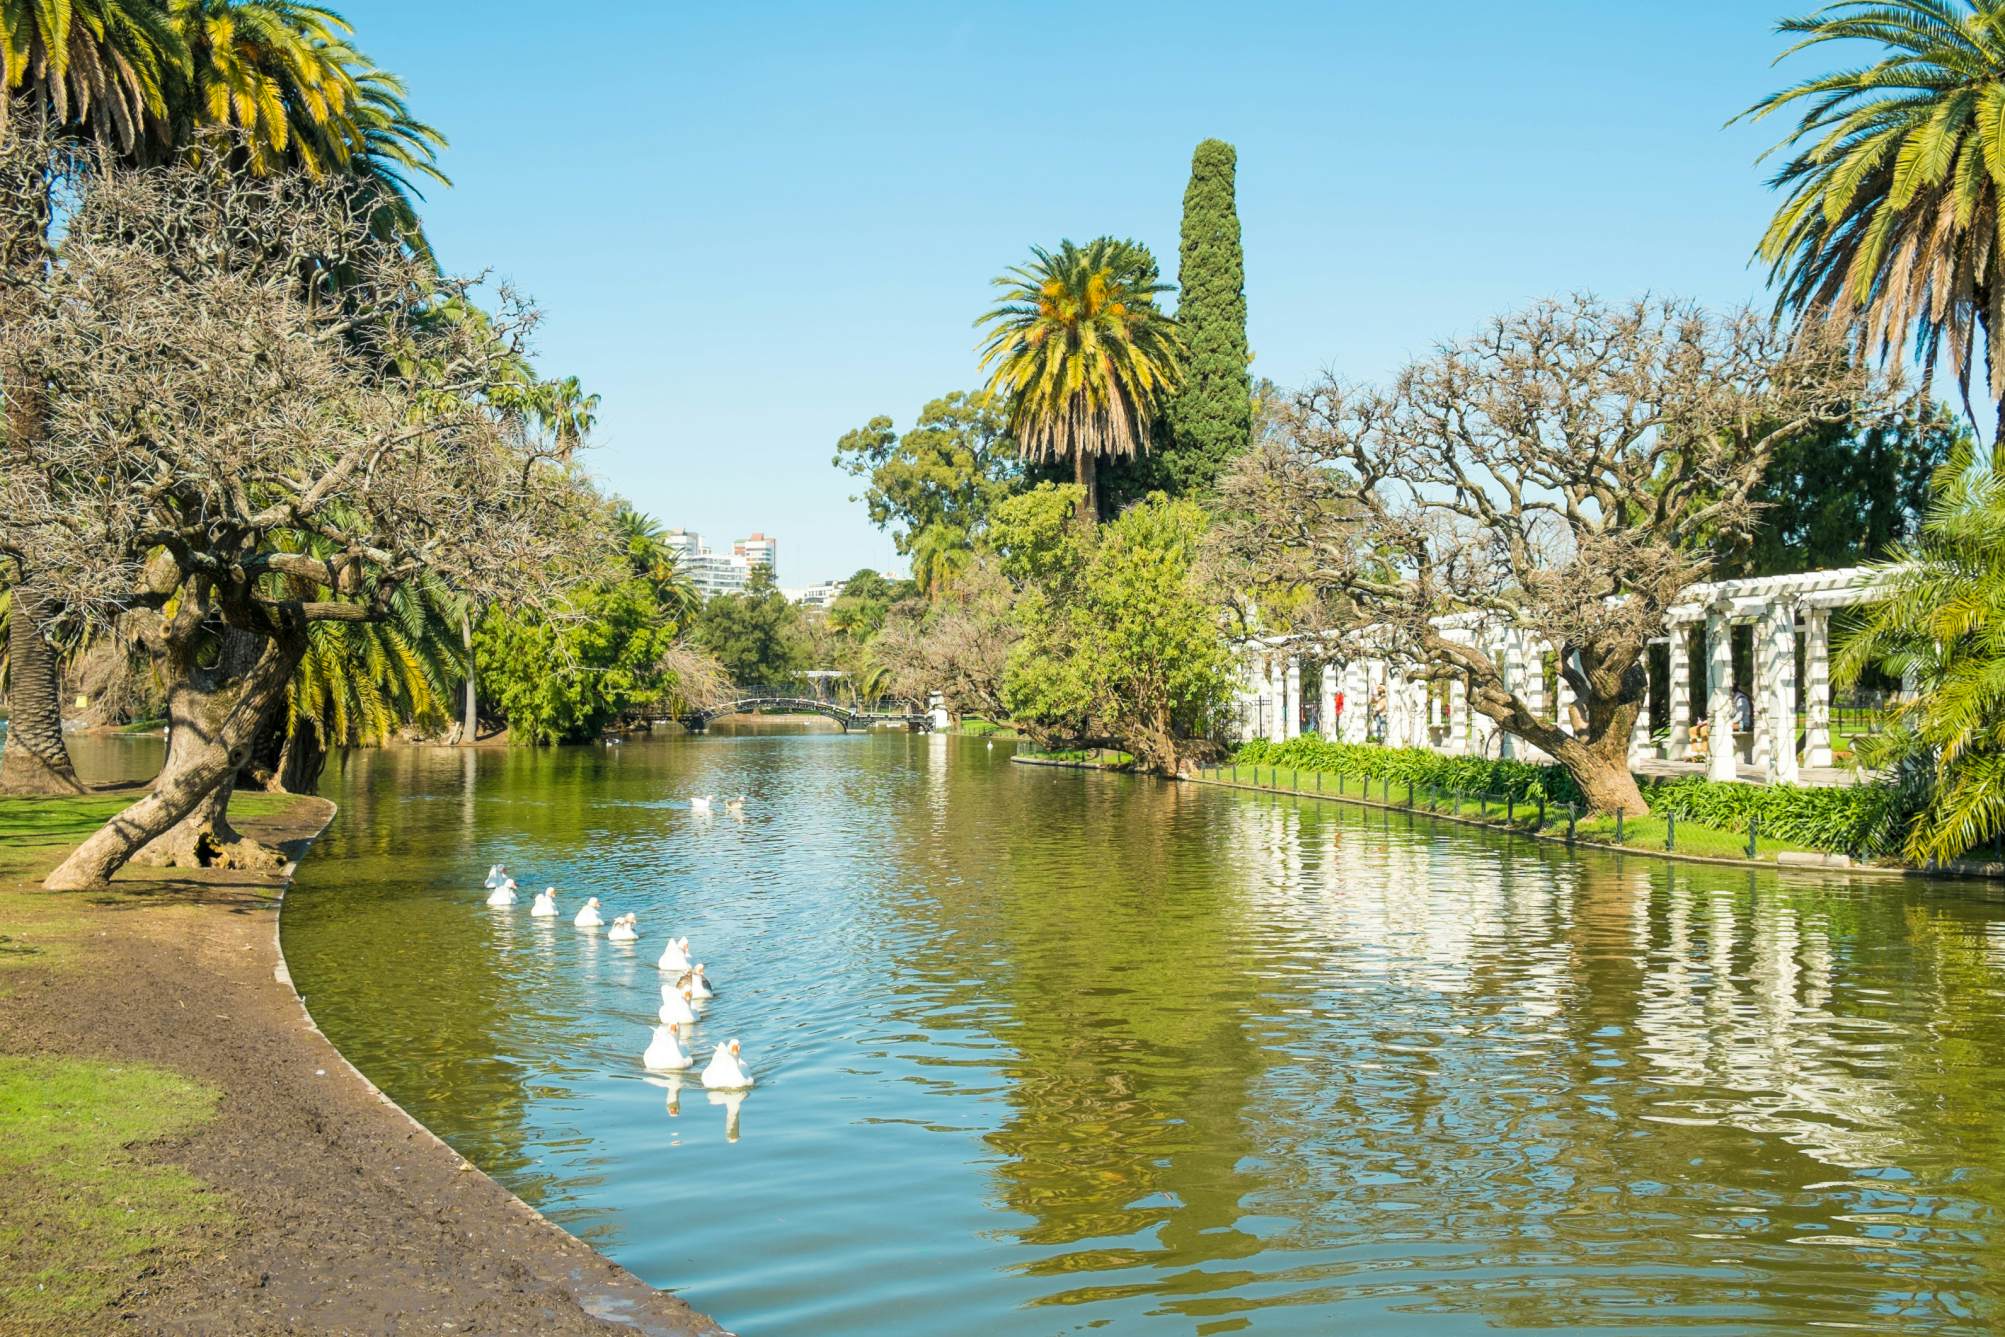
(819, 595)
(714, 573)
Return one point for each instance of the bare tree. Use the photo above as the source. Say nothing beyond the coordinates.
(235, 371)
(957, 645)
(1560, 474)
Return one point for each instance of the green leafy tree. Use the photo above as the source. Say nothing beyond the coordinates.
(934, 486)
(1121, 641)
(1942, 628)
(756, 636)
(562, 677)
(1084, 355)
(1890, 215)
(1211, 415)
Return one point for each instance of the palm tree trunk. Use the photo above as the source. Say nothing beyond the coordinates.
(1086, 473)
(35, 760)
(470, 728)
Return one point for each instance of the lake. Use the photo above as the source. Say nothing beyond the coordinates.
(1042, 1051)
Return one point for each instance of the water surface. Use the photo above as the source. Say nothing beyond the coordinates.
(1047, 1052)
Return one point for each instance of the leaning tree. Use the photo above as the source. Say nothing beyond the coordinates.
(260, 415)
(1561, 474)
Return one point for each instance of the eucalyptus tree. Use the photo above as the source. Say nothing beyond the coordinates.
(1890, 220)
(1084, 354)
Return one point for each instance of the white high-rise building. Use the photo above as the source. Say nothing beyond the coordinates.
(759, 550)
(714, 573)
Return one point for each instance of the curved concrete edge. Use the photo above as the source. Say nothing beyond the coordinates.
(622, 1297)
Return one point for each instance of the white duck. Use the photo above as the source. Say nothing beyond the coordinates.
(503, 893)
(623, 929)
(663, 1053)
(496, 876)
(588, 916)
(675, 1008)
(675, 956)
(700, 802)
(724, 1072)
(698, 987)
(545, 904)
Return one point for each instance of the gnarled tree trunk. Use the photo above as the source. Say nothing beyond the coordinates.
(214, 715)
(35, 760)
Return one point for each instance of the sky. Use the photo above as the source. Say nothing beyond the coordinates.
(754, 227)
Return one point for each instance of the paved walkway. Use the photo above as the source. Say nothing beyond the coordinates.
(1811, 777)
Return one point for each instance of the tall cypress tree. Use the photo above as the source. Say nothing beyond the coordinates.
(1211, 418)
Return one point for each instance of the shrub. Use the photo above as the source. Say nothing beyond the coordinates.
(1363, 761)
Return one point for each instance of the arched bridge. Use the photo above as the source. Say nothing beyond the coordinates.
(790, 701)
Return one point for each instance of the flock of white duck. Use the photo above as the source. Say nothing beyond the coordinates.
(683, 994)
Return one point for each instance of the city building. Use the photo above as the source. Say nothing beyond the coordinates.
(714, 573)
(820, 595)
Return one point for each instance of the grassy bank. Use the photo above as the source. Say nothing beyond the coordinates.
(84, 1217)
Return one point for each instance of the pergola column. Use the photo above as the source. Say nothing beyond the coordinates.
(1513, 674)
(1292, 713)
(1277, 692)
(1719, 695)
(1817, 687)
(1326, 709)
(1458, 718)
(1763, 751)
(1681, 692)
(1357, 701)
(1781, 692)
(1563, 692)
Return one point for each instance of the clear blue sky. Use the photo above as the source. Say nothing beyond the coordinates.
(755, 226)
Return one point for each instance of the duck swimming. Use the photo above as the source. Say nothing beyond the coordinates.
(724, 1072)
(675, 1008)
(496, 876)
(675, 956)
(503, 893)
(545, 904)
(735, 806)
(697, 987)
(588, 916)
(700, 802)
(663, 1053)
(623, 929)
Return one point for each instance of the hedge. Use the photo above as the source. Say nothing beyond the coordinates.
(1863, 820)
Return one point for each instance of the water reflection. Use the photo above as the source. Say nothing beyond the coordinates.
(1041, 1050)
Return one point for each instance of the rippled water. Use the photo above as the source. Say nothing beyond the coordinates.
(1041, 1051)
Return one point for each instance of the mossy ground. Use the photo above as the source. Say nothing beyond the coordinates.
(83, 1215)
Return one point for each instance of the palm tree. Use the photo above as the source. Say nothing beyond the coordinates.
(1941, 628)
(1087, 358)
(100, 67)
(566, 412)
(1890, 219)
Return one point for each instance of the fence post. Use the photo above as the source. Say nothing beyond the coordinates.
(1483, 804)
(1753, 830)
(1319, 784)
(1510, 807)
(1409, 796)
(1572, 815)
(1670, 833)
(1618, 826)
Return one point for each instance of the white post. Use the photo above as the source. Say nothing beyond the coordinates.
(1719, 695)
(1277, 701)
(1782, 694)
(1639, 732)
(1681, 693)
(1357, 701)
(1458, 717)
(1513, 674)
(1763, 751)
(1562, 712)
(1395, 708)
(1817, 687)
(1294, 698)
(1326, 708)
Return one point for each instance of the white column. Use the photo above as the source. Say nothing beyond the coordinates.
(1563, 690)
(1326, 707)
(1639, 733)
(1782, 693)
(1277, 693)
(1458, 718)
(1292, 713)
(1514, 680)
(1357, 701)
(1419, 714)
(1681, 692)
(1395, 708)
(1719, 695)
(1817, 687)
(1762, 753)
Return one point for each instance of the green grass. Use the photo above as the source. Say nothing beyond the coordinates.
(1638, 833)
(984, 729)
(1106, 758)
(81, 1217)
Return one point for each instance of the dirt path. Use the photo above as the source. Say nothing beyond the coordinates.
(346, 1216)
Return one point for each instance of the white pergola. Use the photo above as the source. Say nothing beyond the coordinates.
(1376, 687)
